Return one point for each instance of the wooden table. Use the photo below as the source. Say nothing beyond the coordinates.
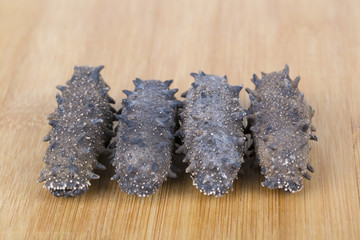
(42, 40)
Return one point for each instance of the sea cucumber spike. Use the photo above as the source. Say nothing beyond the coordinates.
(105, 90)
(280, 125)
(181, 149)
(80, 133)
(194, 85)
(242, 114)
(100, 166)
(307, 176)
(126, 120)
(212, 134)
(127, 102)
(165, 110)
(201, 73)
(95, 74)
(116, 176)
(53, 123)
(237, 89)
(128, 93)
(172, 174)
(145, 138)
(183, 95)
(309, 167)
(111, 100)
(167, 83)
(194, 75)
(59, 99)
(252, 98)
(61, 88)
(303, 126)
(286, 70)
(175, 103)
(190, 169)
(139, 84)
(313, 137)
(97, 70)
(92, 175)
(255, 79)
(51, 116)
(313, 128)
(295, 83)
(47, 138)
(112, 145)
(170, 93)
(112, 109)
(162, 145)
(312, 112)
(253, 93)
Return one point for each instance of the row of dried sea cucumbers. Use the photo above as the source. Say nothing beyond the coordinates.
(210, 124)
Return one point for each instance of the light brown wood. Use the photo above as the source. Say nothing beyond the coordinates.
(41, 41)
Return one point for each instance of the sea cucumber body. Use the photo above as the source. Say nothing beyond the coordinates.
(82, 128)
(212, 132)
(281, 128)
(145, 138)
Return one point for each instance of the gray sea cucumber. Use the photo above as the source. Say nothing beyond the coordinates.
(145, 137)
(81, 130)
(212, 132)
(281, 127)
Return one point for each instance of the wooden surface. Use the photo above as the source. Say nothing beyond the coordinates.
(41, 41)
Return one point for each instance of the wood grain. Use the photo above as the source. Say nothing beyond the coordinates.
(42, 40)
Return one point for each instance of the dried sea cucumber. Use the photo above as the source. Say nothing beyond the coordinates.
(212, 132)
(281, 127)
(81, 130)
(145, 137)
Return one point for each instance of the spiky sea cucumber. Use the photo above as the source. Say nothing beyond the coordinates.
(82, 128)
(145, 137)
(212, 132)
(281, 128)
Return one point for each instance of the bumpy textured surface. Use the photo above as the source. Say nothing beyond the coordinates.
(145, 137)
(82, 127)
(281, 128)
(212, 132)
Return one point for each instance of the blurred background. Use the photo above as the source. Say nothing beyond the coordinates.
(42, 40)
